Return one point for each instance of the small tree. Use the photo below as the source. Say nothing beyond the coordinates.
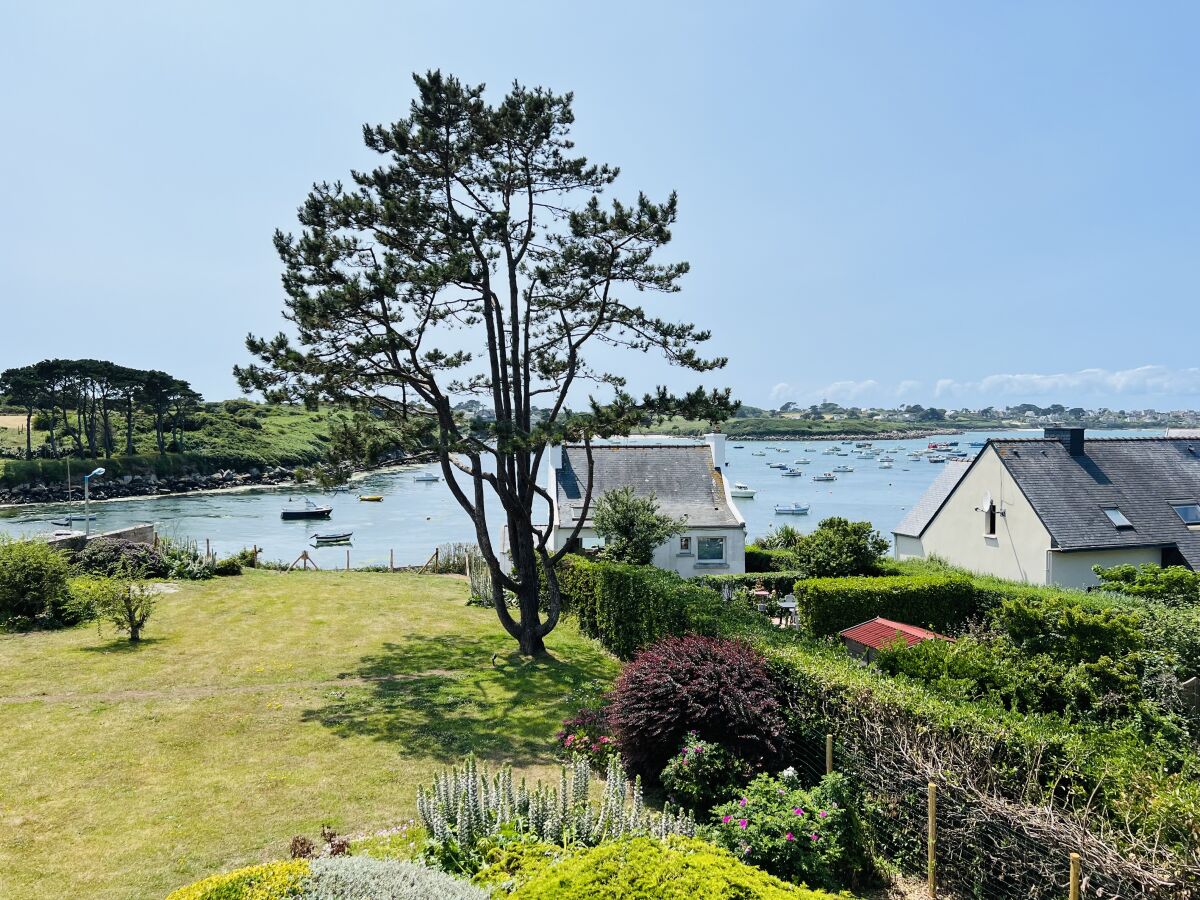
(839, 548)
(632, 526)
(127, 603)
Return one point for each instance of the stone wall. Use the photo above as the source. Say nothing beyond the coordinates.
(140, 534)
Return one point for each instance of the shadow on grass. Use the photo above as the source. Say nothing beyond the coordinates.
(442, 697)
(121, 645)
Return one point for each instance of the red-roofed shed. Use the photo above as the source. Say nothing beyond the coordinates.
(867, 638)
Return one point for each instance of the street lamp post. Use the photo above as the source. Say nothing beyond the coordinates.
(87, 519)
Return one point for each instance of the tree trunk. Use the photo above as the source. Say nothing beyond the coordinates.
(530, 637)
(29, 433)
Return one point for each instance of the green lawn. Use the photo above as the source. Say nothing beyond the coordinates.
(257, 708)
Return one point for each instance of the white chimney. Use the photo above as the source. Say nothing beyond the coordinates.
(554, 456)
(716, 441)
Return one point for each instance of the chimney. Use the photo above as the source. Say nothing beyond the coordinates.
(554, 456)
(1071, 438)
(716, 441)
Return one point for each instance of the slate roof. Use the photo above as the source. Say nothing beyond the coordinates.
(681, 476)
(879, 633)
(1139, 476)
(917, 519)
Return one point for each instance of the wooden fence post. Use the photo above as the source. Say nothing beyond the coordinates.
(1075, 873)
(932, 840)
(207, 549)
(347, 559)
(392, 560)
(829, 754)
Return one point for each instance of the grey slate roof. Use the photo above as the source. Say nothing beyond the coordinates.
(917, 519)
(1139, 476)
(681, 476)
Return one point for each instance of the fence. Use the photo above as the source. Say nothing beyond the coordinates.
(966, 844)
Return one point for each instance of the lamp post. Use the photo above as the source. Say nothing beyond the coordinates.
(87, 519)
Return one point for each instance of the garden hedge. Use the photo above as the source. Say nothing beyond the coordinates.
(780, 582)
(941, 602)
(763, 559)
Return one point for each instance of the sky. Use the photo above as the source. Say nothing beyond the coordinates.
(946, 203)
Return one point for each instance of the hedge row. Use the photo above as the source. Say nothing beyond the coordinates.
(763, 559)
(628, 607)
(941, 602)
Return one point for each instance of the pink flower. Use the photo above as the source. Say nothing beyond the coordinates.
(742, 802)
(822, 814)
(570, 740)
(726, 819)
(741, 823)
(797, 811)
(816, 837)
(789, 837)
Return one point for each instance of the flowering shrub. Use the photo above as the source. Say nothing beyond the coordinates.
(274, 881)
(587, 734)
(718, 688)
(469, 814)
(810, 836)
(702, 774)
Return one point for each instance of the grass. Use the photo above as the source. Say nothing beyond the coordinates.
(258, 708)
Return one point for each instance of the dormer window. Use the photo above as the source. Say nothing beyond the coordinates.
(1118, 518)
(1189, 512)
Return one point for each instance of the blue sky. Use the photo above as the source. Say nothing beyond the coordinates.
(941, 202)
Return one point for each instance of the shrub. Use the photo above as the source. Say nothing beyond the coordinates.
(797, 835)
(1174, 585)
(364, 878)
(467, 813)
(184, 560)
(702, 774)
(114, 556)
(273, 881)
(84, 591)
(230, 565)
(126, 604)
(839, 548)
(638, 869)
(719, 689)
(33, 584)
(587, 734)
(765, 559)
(302, 847)
(632, 526)
(940, 602)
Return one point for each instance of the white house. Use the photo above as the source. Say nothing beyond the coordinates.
(1045, 510)
(688, 481)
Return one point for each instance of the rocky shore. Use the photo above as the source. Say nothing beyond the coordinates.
(146, 486)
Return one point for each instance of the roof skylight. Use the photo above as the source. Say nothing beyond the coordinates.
(1117, 517)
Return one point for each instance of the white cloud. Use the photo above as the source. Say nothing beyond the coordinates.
(1140, 381)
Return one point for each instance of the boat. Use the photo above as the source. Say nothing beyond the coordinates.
(66, 523)
(339, 537)
(937, 458)
(977, 444)
(801, 462)
(309, 510)
(739, 446)
(885, 465)
(828, 451)
(427, 476)
(825, 476)
(741, 489)
(371, 498)
(843, 468)
(887, 459)
(792, 509)
(776, 465)
(847, 442)
(758, 453)
(791, 473)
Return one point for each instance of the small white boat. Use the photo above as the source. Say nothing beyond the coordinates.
(776, 465)
(792, 509)
(886, 459)
(427, 476)
(937, 458)
(843, 468)
(743, 490)
(825, 476)
(758, 453)
(829, 451)
(885, 465)
(801, 462)
(791, 473)
(340, 537)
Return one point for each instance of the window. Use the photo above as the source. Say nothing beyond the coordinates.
(710, 549)
(685, 544)
(1117, 517)
(1189, 512)
(989, 520)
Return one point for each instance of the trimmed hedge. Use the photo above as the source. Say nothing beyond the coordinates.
(628, 607)
(764, 559)
(636, 869)
(941, 602)
(779, 582)
(273, 881)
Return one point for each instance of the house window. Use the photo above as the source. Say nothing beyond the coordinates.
(989, 520)
(1117, 517)
(710, 549)
(1189, 512)
(685, 544)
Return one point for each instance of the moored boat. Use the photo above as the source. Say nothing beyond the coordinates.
(427, 476)
(309, 510)
(825, 476)
(843, 468)
(338, 537)
(792, 509)
(371, 498)
(743, 490)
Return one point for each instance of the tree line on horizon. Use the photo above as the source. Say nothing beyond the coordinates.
(87, 406)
